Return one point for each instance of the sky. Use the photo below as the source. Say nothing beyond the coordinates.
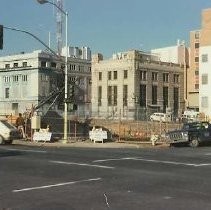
(107, 27)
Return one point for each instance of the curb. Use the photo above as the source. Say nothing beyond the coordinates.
(89, 144)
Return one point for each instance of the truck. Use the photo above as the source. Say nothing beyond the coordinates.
(192, 134)
(190, 116)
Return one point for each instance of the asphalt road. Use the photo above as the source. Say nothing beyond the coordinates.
(35, 178)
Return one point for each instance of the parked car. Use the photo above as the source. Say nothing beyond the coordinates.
(8, 132)
(192, 134)
(160, 117)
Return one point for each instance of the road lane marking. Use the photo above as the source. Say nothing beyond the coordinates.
(26, 150)
(166, 162)
(81, 164)
(156, 161)
(203, 164)
(113, 159)
(56, 185)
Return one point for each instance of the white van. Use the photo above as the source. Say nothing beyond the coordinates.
(160, 117)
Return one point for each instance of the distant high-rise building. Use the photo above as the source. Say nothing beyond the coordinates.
(199, 73)
(76, 52)
(205, 64)
(193, 73)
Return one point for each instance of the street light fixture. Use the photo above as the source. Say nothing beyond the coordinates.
(65, 94)
(42, 1)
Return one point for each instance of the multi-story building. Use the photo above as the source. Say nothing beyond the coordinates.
(27, 79)
(177, 54)
(133, 84)
(204, 64)
(193, 72)
(199, 73)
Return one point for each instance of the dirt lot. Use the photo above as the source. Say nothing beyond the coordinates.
(141, 130)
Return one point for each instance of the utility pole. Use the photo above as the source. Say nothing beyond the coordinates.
(66, 56)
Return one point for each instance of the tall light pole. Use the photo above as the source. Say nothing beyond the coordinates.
(66, 55)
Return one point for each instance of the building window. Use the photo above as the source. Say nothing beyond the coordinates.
(204, 102)
(7, 66)
(100, 76)
(143, 95)
(112, 95)
(196, 86)
(154, 94)
(15, 65)
(44, 77)
(165, 77)
(154, 76)
(109, 75)
(125, 74)
(197, 34)
(165, 98)
(115, 74)
(125, 95)
(196, 72)
(109, 95)
(204, 58)
(53, 65)
(24, 64)
(7, 92)
(204, 79)
(176, 78)
(43, 64)
(143, 75)
(115, 95)
(15, 78)
(72, 67)
(196, 45)
(196, 59)
(81, 68)
(74, 79)
(24, 78)
(176, 100)
(6, 79)
(99, 95)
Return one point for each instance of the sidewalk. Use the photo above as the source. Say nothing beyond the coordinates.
(90, 144)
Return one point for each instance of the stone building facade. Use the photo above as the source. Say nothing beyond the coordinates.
(134, 84)
(28, 79)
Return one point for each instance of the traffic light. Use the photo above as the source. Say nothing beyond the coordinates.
(71, 92)
(1, 36)
(71, 106)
